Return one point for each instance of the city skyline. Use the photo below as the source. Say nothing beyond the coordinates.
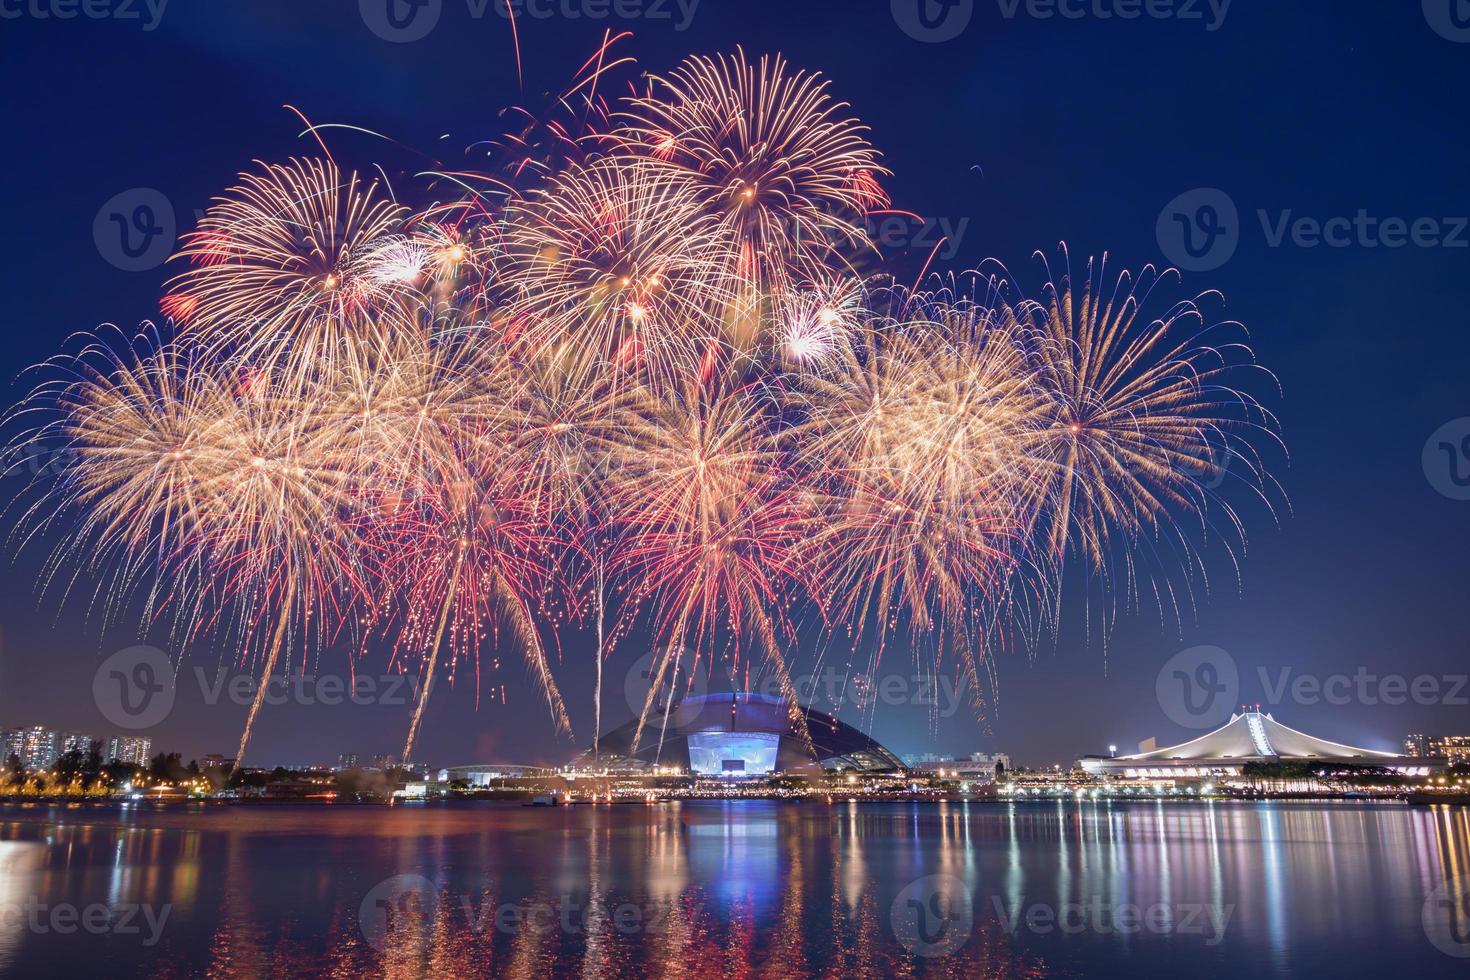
(40, 747)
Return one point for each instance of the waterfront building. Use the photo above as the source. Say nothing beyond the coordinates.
(737, 734)
(491, 773)
(1454, 749)
(996, 759)
(978, 768)
(1250, 736)
(12, 743)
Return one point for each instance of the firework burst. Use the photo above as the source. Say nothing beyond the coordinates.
(1146, 421)
(772, 154)
(225, 486)
(917, 436)
(466, 555)
(297, 254)
(713, 534)
(618, 258)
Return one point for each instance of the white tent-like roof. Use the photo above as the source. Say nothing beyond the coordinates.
(1254, 736)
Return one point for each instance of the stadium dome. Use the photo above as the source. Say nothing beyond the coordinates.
(741, 735)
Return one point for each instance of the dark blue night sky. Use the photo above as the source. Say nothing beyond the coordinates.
(1020, 132)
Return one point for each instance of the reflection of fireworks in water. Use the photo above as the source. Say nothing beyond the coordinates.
(635, 363)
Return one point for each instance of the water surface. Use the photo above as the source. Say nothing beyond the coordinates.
(746, 888)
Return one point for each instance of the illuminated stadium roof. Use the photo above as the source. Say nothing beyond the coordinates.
(1250, 736)
(742, 734)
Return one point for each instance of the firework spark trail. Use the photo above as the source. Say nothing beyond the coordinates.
(398, 410)
(277, 536)
(469, 555)
(129, 423)
(812, 325)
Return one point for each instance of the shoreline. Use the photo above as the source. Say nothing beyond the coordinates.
(1412, 799)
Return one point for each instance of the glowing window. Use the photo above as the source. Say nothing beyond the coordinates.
(733, 753)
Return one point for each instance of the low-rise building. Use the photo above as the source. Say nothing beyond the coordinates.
(1454, 749)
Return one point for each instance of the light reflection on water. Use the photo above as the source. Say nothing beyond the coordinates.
(737, 889)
